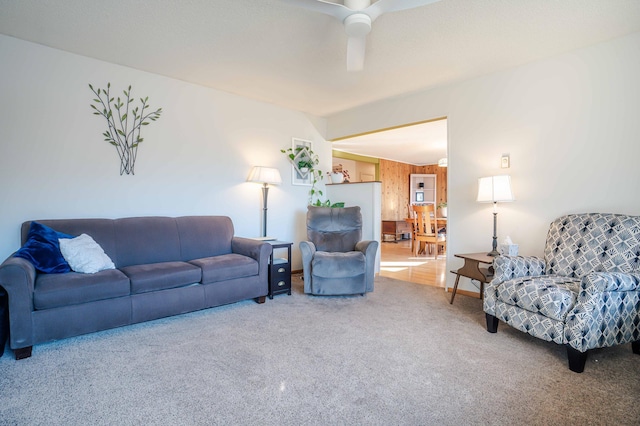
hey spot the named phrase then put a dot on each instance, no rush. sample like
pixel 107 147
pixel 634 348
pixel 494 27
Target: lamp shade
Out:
pixel 495 189
pixel 267 175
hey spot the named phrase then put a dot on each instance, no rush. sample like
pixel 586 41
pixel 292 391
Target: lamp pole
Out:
pixel 265 193
pixel 494 246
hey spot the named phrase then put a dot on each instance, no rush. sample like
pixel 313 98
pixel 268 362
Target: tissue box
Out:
pixel 509 249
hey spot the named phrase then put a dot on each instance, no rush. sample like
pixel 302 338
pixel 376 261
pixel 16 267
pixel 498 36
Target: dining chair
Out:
pixel 425 230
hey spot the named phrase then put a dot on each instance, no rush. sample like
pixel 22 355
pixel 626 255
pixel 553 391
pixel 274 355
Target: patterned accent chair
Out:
pixel 584 294
pixel 335 261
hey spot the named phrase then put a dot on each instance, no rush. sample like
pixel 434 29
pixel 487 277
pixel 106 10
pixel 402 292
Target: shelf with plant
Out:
pixel 443 208
pixel 305 162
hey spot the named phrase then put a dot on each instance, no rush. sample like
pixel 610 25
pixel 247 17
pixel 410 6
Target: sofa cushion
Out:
pixel 552 296
pixel 226 266
pixel 204 236
pixel 146 240
pixel 42 249
pixel 101 230
pixel 160 276
pixel 334 230
pixel 56 290
pixel 338 265
pixel 85 255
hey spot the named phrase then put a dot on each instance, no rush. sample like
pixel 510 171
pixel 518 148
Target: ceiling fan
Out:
pixel 357 17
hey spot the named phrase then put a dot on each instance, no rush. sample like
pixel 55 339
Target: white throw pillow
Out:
pixel 84 255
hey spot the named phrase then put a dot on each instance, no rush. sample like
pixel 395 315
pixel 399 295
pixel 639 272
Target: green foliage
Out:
pixel 305 163
pixel 310 160
pixel 327 203
pixel 124 125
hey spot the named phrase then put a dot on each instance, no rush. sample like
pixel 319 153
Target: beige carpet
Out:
pixel 401 355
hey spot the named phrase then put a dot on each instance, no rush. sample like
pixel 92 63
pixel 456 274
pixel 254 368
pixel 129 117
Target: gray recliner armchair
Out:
pixel 334 260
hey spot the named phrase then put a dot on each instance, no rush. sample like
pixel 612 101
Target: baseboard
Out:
pixel 465 292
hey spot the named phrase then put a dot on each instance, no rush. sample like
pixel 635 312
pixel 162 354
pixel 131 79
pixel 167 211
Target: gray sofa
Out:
pixel 164 266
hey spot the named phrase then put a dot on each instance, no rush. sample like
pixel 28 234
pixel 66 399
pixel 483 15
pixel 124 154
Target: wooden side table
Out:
pixel 472 269
pixel 279 269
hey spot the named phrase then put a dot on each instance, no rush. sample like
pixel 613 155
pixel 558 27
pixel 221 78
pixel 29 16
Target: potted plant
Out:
pixel 304 160
pixel 346 177
pixel 443 209
pixel 336 177
pixel 305 165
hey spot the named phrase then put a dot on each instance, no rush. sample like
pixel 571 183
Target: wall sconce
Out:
pixel 495 189
pixel 265 176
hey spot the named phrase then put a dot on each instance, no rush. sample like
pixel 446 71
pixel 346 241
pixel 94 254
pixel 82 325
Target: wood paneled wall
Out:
pixel 395 186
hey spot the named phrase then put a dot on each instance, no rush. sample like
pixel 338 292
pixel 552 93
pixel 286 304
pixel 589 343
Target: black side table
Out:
pixel 279 269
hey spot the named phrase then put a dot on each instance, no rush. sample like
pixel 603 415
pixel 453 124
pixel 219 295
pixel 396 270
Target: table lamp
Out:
pixel 495 189
pixel 265 176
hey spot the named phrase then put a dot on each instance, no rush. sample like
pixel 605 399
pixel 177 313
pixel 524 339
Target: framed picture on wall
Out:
pixel 300 173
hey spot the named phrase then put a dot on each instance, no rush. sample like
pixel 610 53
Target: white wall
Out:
pixel 195 158
pixel 570 123
pixel 367 195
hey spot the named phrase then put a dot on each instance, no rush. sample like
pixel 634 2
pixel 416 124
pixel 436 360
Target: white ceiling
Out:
pixel 272 51
pixel 419 144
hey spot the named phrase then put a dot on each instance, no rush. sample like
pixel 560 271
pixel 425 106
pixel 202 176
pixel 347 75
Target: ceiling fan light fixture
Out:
pixel 357 4
pixel 357 25
pixel 356 17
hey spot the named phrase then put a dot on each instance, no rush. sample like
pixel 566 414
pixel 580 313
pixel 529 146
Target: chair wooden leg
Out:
pixel 577 359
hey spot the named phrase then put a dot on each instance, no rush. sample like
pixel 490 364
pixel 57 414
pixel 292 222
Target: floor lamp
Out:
pixel 495 189
pixel 266 176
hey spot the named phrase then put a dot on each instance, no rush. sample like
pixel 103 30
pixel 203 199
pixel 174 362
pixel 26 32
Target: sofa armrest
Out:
pixel 255 249
pixel 18 277
pixel 370 249
pixel 308 250
pixel 510 267
pixel 597 282
pixel 606 311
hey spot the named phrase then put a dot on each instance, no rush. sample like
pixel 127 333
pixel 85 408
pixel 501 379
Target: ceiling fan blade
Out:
pixel 356 46
pixel 386 6
pixel 332 9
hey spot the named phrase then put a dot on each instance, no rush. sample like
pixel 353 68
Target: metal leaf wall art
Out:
pixel 124 121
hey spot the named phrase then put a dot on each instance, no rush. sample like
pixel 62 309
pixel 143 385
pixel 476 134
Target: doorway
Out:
pixel 397 154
